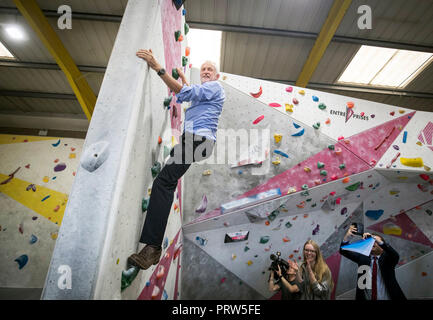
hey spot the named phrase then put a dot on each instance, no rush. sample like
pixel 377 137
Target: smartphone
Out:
pixel 359 228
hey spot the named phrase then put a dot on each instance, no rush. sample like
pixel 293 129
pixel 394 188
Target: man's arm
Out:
pixel 291 288
pixel 172 83
pixel 354 256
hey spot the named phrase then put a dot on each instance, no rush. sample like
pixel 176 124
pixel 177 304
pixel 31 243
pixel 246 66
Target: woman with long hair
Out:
pixel 314 274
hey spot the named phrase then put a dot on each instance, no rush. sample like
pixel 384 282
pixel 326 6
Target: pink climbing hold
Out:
pixel 338 201
pixel 424 177
pixel 274 105
pixel 258 119
pixel 161 272
pixel 333 193
pixel 289 89
pixel 340 138
pixel 155 292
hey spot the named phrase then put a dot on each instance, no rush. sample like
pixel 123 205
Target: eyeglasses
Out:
pixel 310 251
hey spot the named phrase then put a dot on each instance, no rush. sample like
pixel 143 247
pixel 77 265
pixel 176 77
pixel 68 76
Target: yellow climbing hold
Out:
pixel 306 169
pixel 249 262
pixel 426 168
pixel 276 161
pixel 54 235
pixel 46 179
pixel 207 172
pixel 72 156
pixel 289 107
pixel 412 162
pixel 392 229
pixel 302 92
pixel 291 190
pixel 401 111
pixel 277 137
pixel 419 143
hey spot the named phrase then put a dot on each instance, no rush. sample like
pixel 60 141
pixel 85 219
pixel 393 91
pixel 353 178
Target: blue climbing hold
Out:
pixel 22 261
pixel 374 214
pixel 281 153
pixel 315 99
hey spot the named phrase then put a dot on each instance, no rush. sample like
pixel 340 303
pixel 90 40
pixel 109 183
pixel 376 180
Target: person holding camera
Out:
pixel 314 276
pixel 287 283
pixel 381 261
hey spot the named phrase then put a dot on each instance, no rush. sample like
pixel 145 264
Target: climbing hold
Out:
pixel 203 205
pixel 159 140
pixel 334 177
pixel 207 172
pixel 184 61
pixel 320 165
pixel 186 28
pixel 343 211
pixel 45 198
pixel 258 94
pixel 342 166
pixel 54 235
pixel 249 262
pixel 60 167
pixel 390 228
pixel 316 125
pixel 315 99
pixel 291 190
pixel 201 241
pixel 305 187
pixel 56 144
pixel 307 169
pixel 411 162
pixel 276 161
pixel 401 111
pixel 427 168
pixel 338 151
pixel 301 92
pixel 277 137
pixel 274 105
pixel 392 113
pixel 156 169
pixel 316 230
pixel 305 193
pixel 289 107
pixel 424 177
pixel 174 73
pixel 144 204
pixel 299 133
pixel 404 137
pixel 264 239
pixel 323 172
pixel 281 153
pixel 322 106
pixel 346 180
pixel 295 101
pixel 422 187
pixel 161 272
pixel 31 187
pixel 289 89
pixel 258 119
pixel 340 138
pixel 354 186
pixel 288 224
pixel 33 239
pixel 331 147
pixel 155 292
pixel 374 214
pixel 328 121
pixel 338 200
pixel 177 35
pixel 22 261
pixel 350 104
pixel 187 51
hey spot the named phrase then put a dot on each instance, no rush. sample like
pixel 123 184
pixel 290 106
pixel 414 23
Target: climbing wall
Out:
pixel 36 174
pixel 135 121
pixel 321 162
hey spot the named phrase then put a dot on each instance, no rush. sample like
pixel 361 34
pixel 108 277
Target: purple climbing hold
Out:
pixel 343 211
pixel 316 230
pixel 396 147
pixel 203 205
pixel 60 167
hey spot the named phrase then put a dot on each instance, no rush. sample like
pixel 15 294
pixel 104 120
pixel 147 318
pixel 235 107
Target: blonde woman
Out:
pixel 314 274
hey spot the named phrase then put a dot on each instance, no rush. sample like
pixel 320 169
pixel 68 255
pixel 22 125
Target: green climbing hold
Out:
pixel 322 106
pixel 308 200
pixel 331 147
pixel 305 193
pixel 316 125
pixel 305 187
pixel 177 34
pixel 128 276
pixel 320 165
pixel 167 101
pixel 184 61
pixel 429 212
pixel 288 224
pixel 342 166
pixel 246 249
pixel 186 28
pixel 144 204
pixel 156 169
pixel 354 186
pixel 323 173
pixel 313 205
pixel 264 239
pixel 174 73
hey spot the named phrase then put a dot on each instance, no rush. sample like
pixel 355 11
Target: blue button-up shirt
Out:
pixel 207 101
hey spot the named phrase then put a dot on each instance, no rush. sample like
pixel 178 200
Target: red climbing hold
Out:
pixel 258 94
pixel 258 119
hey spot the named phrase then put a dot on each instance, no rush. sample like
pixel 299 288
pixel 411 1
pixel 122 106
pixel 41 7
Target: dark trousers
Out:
pixel 190 149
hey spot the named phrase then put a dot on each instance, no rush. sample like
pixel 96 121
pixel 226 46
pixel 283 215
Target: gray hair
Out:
pixel 211 63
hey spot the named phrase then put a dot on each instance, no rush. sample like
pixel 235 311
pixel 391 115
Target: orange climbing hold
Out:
pixel 350 104
pixel 187 51
pixel 346 180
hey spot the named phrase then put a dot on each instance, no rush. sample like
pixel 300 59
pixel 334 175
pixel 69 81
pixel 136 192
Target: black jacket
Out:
pixel 387 262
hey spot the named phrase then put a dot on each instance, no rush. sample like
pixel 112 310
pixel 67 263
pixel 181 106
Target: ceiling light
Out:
pixel 15 32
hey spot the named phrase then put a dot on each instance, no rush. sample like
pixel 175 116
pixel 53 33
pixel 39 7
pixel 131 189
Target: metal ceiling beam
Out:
pixel 34 16
pixel 75 15
pixel 333 20
pixel 40 95
pixel 308 35
pixel 47 66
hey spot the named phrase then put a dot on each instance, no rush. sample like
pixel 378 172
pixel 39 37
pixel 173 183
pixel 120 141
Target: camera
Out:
pixel 277 261
pixel 359 228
